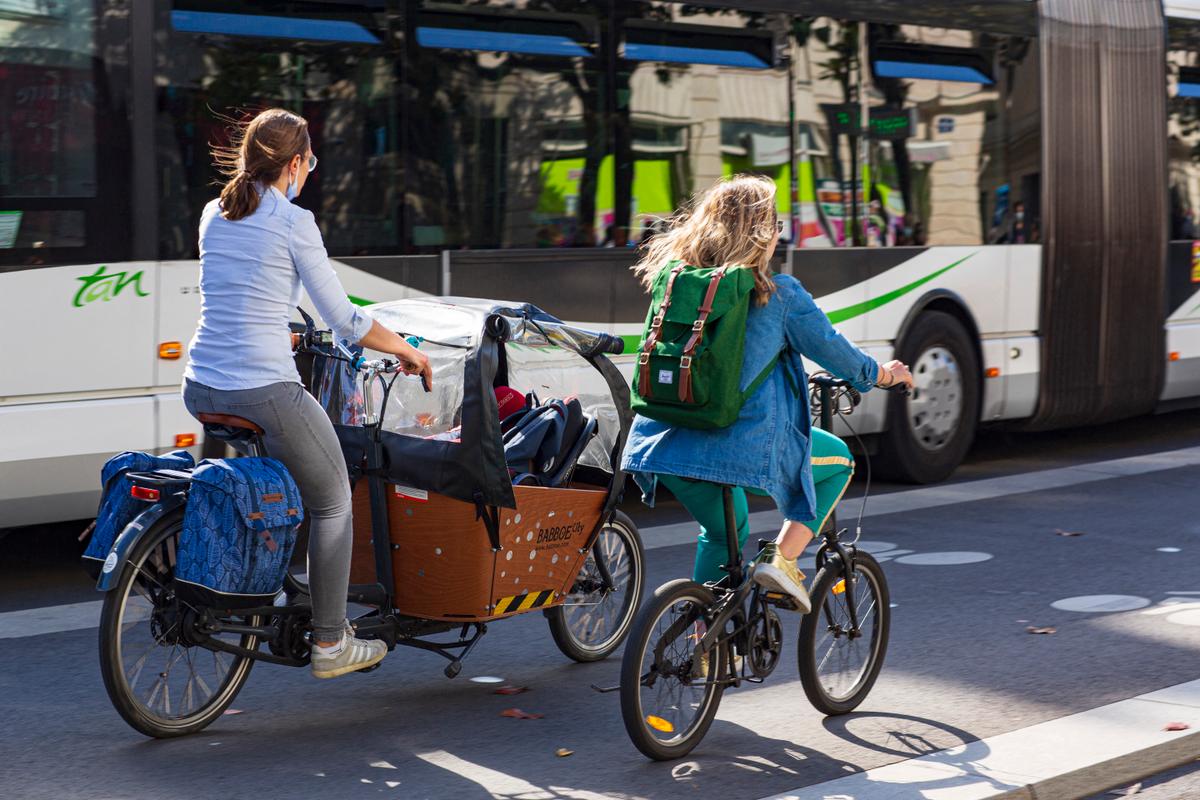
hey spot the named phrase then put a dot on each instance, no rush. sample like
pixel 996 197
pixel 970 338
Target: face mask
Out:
pixel 292 191
pixel 1020 216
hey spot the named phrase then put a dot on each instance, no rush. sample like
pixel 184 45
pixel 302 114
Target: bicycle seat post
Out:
pixel 734 567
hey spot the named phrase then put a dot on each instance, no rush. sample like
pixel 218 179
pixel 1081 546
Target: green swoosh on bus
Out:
pixel 858 309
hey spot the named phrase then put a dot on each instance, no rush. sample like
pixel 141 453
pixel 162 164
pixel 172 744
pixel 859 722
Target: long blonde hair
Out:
pixel 731 224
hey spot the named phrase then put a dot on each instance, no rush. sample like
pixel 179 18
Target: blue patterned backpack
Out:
pixel 117 507
pixel 239 531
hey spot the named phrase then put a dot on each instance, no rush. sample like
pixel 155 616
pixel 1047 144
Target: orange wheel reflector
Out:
pixel 170 350
pixel 185 439
pixel 659 724
pixel 1173 356
pixel 840 587
pixel 992 372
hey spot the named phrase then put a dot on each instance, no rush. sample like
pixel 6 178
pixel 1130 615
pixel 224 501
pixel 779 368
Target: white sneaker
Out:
pixel 348 655
pixel 775 573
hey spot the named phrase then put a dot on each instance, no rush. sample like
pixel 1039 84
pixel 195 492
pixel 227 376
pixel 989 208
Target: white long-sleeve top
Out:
pixel 251 271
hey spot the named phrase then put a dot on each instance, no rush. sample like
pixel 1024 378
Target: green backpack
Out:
pixel 690 357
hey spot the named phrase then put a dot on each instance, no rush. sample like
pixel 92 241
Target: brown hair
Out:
pixel 733 224
pixel 258 152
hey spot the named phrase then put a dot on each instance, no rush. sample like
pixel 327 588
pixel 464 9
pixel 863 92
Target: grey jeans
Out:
pixel 298 433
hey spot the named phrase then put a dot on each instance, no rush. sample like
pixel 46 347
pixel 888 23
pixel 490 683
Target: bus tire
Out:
pixel 929 432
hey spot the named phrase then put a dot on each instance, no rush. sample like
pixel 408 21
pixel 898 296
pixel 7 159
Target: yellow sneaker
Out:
pixel 775 573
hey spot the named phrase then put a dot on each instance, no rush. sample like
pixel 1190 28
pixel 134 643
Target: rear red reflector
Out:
pixel 144 493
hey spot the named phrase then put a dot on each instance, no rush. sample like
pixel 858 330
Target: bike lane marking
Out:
pixel 80 616
pixel 1071 756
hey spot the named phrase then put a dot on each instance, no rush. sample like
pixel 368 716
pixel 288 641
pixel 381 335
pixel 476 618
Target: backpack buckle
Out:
pixel 643 358
pixel 685 362
pixel 656 322
pixel 698 325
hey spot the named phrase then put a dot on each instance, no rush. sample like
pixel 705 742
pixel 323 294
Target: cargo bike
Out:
pixel 455 525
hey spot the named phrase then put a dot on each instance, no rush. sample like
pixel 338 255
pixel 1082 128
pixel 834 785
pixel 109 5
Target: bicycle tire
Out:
pixel 818 621
pixel 116 681
pixel 565 627
pixel 632 711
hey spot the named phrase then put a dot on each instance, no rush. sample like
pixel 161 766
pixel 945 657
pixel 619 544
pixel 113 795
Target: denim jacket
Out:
pixel 767 447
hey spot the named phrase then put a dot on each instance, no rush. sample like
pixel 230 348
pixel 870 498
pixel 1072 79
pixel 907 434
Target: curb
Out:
pixel 1062 759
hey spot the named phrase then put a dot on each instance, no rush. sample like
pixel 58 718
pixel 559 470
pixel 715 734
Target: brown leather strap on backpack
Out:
pixel 685 363
pixel 653 336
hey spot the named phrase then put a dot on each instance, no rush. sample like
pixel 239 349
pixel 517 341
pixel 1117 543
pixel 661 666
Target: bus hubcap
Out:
pixel 935 406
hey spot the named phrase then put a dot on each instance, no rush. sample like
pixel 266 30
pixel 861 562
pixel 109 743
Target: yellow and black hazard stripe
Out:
pixel 524 602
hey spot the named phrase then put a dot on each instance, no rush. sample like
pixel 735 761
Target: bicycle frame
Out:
pixel 732 603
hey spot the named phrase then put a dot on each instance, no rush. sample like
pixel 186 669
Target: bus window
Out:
pixel 700 96
pixel 507 134
pixel 332 64
pixel 60 202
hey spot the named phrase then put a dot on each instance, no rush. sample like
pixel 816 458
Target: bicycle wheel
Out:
pixel 592 622
pixel 666 709
pixel 838 668
pixel 159 680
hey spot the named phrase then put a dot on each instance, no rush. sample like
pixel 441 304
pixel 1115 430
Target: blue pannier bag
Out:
pixel 117 506
pixel 239 531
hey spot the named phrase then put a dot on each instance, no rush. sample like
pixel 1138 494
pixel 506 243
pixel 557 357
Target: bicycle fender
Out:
pixel 130 536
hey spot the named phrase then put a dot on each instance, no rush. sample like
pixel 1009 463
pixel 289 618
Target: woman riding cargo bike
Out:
pixel 473 502
pixel 720 393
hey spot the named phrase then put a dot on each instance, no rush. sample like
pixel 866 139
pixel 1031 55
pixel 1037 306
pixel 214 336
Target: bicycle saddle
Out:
pixel 229 427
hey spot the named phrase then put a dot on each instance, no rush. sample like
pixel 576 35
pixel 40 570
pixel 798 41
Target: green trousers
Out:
pixel 832 468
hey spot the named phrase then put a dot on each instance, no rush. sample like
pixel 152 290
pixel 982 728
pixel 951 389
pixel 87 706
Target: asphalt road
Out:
pixel 961 665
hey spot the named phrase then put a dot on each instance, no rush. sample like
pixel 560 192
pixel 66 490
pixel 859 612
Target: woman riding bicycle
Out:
pixel 256 251
pixel 772 447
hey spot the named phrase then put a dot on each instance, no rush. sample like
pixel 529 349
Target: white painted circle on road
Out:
pixel 1090 603
pixel 1168 550
pixel 947 558
pixel 876 547
pixel 1189 617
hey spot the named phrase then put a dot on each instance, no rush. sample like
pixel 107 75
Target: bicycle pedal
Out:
pixel 781 600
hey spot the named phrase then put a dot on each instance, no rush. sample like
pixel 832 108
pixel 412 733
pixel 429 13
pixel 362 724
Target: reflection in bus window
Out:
pixel 56 96
pixel 330 64
pixel 508 141
pixel 705 100
pixel 1183 128
pixel 951 149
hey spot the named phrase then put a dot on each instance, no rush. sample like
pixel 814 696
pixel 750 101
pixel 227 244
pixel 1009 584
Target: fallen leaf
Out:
pixel 517 713
pixel 1046 629
pixel 1176 726
pixel 511 690
pixel 1128 790
pixel 231 711
pixel 563 752
pixel 1061 532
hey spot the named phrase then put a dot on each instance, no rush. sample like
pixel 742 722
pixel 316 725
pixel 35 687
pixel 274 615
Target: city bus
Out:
pixel 1003 195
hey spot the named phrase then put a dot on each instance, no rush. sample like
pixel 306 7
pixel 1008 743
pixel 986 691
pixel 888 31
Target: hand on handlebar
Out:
pixel 893 374
pixel 414 362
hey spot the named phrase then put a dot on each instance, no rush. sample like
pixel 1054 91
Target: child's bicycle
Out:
pixel 692 640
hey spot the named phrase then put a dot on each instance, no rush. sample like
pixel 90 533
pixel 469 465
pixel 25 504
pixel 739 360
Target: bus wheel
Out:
pixel 928 433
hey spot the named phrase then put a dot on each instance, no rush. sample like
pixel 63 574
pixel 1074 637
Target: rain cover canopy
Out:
pixel 448 441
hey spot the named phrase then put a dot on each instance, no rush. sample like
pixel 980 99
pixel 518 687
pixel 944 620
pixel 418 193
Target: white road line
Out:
pixel 77 616
pixel 1071 756
pixel 50 619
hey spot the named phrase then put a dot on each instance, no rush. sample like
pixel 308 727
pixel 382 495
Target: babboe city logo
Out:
pixel 102 285
pixel 558 534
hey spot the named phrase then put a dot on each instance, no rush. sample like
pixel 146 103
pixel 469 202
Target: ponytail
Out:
pixel 258 152
pixel 239 197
